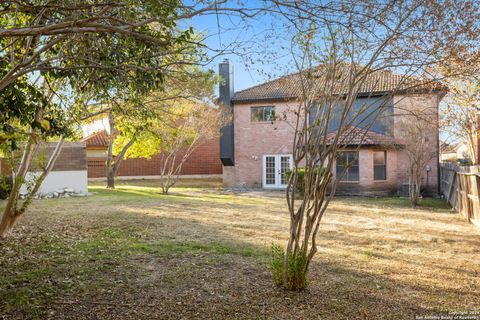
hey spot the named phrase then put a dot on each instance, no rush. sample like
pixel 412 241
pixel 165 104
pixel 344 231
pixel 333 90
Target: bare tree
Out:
pixel 460 117
pixel 420 145
pixel 177 143
pixel 341 57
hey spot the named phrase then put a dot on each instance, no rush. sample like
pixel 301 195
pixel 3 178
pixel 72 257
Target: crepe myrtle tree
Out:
pixel 336 57
pixel 179 116
pixel 132 120
pixel 38 119
pixel 175 134
pixel 415 131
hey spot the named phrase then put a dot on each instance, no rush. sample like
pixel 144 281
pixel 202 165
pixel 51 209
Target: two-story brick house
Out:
pixel 256 147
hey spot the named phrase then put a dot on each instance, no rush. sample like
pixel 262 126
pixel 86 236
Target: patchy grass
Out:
pixel 134 253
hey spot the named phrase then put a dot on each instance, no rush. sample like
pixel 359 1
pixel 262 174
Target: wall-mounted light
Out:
pixel 255 158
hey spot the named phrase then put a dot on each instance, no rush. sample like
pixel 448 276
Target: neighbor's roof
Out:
pixel 289 87
pixel 354 136
pixel 448 148
pixel 97 139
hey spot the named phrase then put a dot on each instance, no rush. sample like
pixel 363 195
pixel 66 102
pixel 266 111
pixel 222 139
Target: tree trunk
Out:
pixel 112 165
pixel 8 220
pixel 10 212
pixel 109 161
pixel 110 178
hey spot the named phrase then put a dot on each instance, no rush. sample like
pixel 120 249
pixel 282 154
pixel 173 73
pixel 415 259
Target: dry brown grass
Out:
pixel 203 253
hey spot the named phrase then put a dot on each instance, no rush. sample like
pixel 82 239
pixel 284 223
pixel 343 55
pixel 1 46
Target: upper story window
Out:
pixel 347 165
pixel 259 114
pixel 376 113
pixel 380 165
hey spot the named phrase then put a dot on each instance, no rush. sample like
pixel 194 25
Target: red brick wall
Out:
pixel 205 159
pixel 255 139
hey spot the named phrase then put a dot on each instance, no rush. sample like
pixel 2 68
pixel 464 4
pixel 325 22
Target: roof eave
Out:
pixel 441 92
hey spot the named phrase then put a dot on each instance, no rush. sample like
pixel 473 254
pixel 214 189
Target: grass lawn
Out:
pixel 201 253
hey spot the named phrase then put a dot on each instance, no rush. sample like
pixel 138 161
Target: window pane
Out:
pixel 262 114
pixel 353 158
pixel 353 173
pixel 348 160
pixel 380 172
pixel 342 159
pixel 379 158
pixel 269 114
pixel 339 172
pixel 256 114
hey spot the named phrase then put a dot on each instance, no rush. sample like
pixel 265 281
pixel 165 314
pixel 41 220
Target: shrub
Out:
pixel 296 273
pixel 5 186
pixel 276 264
pixel 300 186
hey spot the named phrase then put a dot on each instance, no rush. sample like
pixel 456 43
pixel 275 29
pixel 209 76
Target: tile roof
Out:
pixel 97 139
pixel 354 136
pixel 289 87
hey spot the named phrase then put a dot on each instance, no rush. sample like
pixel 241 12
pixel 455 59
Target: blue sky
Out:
pixel 259 57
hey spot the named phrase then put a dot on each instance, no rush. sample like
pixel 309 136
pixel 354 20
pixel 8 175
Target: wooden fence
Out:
pixel 460 185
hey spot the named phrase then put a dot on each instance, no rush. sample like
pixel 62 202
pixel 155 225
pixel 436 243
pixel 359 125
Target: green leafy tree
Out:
pixel 74 35
pixel 175 135
pixel 36 118
pixel 131 121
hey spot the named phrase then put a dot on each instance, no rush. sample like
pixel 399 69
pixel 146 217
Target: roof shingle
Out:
pixel 97 139
pixel 289 87
pixel 354 136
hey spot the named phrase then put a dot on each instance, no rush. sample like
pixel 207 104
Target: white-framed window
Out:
pixel 347 167
pixel 262 114
pixel 380 165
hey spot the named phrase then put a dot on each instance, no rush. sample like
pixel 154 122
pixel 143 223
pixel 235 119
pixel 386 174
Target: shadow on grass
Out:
pixel 425 203
pixel 131 194
pixel 137 266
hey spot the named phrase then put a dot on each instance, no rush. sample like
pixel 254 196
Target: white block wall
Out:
pixel 55 180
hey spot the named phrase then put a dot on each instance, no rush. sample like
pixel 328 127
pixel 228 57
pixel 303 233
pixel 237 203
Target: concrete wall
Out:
pixel 76 180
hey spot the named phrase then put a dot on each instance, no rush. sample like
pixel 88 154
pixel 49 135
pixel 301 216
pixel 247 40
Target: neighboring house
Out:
pixel 457 152
pixel 256 148
pixel 204 160
pixel 69 171
pixel 448 152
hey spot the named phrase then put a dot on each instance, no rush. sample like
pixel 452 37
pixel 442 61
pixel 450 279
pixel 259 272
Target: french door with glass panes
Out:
pixel 274 168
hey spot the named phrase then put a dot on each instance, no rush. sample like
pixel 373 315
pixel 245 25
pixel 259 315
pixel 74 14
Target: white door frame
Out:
pixel 278 180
